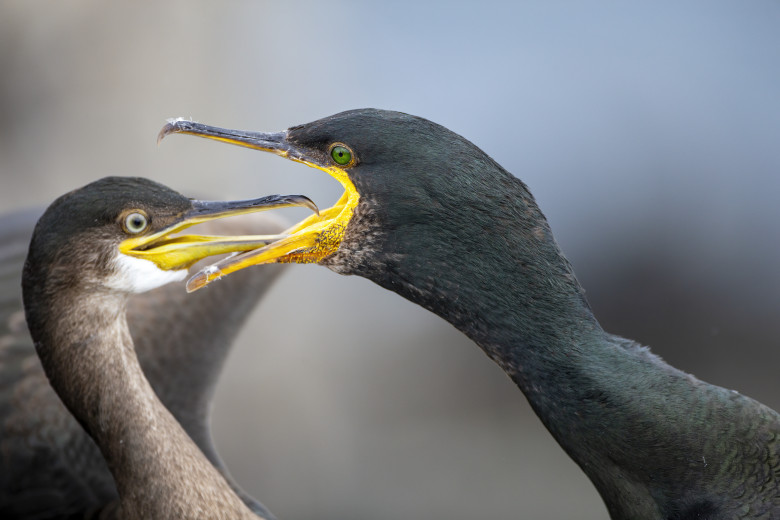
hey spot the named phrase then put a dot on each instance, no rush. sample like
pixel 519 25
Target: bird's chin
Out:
pixel 136 275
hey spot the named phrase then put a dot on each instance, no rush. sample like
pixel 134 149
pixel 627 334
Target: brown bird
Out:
pixel 77 280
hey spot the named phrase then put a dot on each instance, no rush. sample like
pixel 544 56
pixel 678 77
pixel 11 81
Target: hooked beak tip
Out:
pixel 172 126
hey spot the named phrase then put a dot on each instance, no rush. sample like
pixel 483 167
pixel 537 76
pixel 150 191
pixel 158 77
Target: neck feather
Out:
pixel 494 271
pixel 87 352
pixel 485 261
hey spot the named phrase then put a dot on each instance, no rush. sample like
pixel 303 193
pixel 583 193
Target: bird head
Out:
pixel 120 234
pixel 412 189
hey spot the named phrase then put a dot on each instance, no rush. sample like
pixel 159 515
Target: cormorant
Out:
pixel 181 341
pixel 430 216
pixel 91 249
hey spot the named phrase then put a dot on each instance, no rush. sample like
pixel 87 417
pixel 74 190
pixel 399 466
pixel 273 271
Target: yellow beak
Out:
pixel 170 252
pixel 311 240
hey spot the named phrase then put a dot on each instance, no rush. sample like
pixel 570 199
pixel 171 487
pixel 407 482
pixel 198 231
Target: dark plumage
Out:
pixel 50 467
pixel 442 224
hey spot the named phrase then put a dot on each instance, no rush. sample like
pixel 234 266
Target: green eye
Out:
pixel 135 223
pixel 341 154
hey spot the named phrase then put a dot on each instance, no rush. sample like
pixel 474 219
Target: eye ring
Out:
pixel 342 155
pixel 135 222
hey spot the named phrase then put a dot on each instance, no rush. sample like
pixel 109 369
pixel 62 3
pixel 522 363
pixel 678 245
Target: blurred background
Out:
pixel 649 134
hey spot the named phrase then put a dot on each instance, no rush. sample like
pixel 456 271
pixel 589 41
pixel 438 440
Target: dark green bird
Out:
pixel 91 250
pixel 430 216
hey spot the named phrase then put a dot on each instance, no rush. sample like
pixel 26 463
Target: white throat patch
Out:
pixel 136 275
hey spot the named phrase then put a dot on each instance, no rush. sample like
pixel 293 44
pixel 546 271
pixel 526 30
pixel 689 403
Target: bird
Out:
pixel 427 214
pixel 181 341
pixel 92 249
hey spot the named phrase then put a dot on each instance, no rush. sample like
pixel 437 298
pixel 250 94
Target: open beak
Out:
pixel 171 252
pixel 312 239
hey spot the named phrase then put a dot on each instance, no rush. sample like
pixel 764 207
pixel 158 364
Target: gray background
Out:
pixel 648 133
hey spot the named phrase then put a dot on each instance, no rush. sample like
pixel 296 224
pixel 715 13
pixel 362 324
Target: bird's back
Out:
pixel 49 467
pixel 669 446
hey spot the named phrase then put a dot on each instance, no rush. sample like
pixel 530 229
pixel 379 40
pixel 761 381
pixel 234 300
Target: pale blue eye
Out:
pixel 136 223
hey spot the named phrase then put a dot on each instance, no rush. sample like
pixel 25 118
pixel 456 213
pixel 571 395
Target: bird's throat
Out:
pixel 108 393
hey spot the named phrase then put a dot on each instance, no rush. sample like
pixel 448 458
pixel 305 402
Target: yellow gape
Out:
pixel 309 241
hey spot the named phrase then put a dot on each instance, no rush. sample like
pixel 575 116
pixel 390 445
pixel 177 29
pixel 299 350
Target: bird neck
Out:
pixel 198 349
pixel 485 261
pixel 494 271
pixel 87 352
